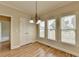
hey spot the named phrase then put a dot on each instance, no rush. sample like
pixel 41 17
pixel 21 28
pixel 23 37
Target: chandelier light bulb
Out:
pixel 31 21
pixel 38 22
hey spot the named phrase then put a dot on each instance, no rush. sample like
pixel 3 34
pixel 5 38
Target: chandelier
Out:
pixel 35 19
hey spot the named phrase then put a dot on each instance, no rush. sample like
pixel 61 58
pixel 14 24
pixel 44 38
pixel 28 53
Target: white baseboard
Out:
pixel 71 52
pixel 14 47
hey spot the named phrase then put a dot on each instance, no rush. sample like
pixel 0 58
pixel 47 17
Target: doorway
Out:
pixel 5 31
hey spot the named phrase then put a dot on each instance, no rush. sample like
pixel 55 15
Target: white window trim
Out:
pixel 54 29
pixel 69 29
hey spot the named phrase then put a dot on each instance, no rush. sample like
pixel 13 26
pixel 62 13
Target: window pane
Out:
pixel 68 26
pixel 42 29
pixel 68 36
pixel 51 29
pixel 68 22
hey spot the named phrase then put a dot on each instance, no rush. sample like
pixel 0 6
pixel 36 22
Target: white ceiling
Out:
pixel 29 6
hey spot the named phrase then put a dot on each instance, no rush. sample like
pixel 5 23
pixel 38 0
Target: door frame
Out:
pixel 10 28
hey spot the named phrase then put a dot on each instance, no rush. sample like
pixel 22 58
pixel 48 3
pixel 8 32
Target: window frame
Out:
pixel 54 29
pixel 39 30
pixel 75 30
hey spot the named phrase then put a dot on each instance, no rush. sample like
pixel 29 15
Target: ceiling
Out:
pixel 28 7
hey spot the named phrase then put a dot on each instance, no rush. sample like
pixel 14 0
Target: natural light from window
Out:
pixel 42 29
pixel 51 29
pixel 68 28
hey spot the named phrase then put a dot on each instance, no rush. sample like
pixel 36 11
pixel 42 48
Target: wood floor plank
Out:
pixel 33 50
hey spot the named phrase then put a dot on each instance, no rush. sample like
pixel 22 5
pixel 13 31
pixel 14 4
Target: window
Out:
pixel 51 29
pixel 68 28
pixel 42 29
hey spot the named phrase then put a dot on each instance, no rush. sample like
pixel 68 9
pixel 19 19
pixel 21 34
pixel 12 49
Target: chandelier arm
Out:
pixel 36 19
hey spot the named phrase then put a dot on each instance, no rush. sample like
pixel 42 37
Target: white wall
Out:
pixel 15 23
pixel 27 31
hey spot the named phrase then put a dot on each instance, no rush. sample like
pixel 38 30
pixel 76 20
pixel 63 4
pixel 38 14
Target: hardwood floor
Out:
pixel 5 45
pixel 33 50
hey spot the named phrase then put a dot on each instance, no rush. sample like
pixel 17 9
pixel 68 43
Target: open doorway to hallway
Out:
pixel 5 30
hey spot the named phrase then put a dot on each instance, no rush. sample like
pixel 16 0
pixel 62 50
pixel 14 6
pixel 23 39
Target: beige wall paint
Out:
pixel 57 13
pixel 15 23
